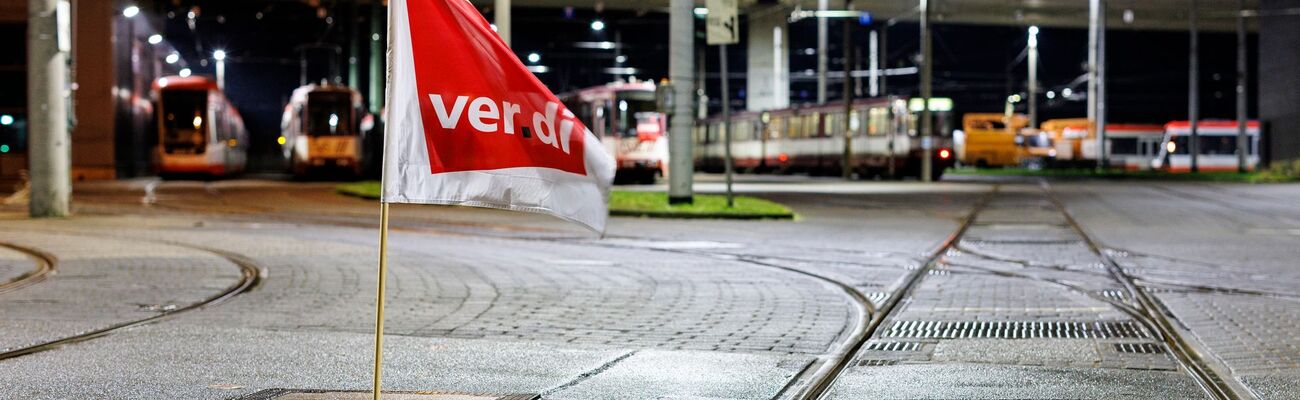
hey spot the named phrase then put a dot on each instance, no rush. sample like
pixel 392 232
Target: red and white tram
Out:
pixel 885 139
pixel 1217 142
pixel 321 128
pixel 626 119
pixel 200 131
pixel 1130 146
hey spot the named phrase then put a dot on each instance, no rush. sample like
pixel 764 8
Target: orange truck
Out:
pixel 991 139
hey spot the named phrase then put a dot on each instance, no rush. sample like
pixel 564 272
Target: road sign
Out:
pixel 722 22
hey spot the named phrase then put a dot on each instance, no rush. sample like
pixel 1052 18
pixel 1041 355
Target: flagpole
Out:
pixel 379 297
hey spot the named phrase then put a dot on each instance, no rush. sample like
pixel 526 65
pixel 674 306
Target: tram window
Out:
pixel 1218 145
pixel 184 123
pixel 879 121
pixel 774 128
pixel 1124 146
pixel 629 103
pixel 329 114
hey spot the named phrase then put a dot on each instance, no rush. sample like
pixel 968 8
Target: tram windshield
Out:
pixel 184 121
pixel 329 114
pixel 627 106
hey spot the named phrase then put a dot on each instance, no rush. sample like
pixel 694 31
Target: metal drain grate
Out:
pixel 876 363
pixel 938 272
pixel 877 297
pixel 1139 348
pixel 1116 295
pixel 893 346
pixel 1014 330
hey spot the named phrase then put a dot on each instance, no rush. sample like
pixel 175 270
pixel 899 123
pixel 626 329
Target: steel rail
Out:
pixel 250 276
pixel 1188 357
pixel 45 263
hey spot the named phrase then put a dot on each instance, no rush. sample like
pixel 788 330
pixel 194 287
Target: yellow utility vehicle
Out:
pixel 990 139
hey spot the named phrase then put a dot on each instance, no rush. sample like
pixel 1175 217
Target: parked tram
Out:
pixel 885 139
pixel 200 131
pixel 321 130
pixel 1217 142
pixel 630 127
pixel 1130 146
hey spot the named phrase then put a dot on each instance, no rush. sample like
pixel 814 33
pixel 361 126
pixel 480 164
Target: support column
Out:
pixel 884 59
pixel 501 18
pixel 1243 141
pixel 846 160
pixel 768 79
pixel 378 52
pixel 873 64
pixel 49 148
pixel 681 63
pixel 927 72
pixel 1279 90
pixel 354 48
pixel 1193 89
pixel 1097 76
pixel 1033 77
pixel 822 33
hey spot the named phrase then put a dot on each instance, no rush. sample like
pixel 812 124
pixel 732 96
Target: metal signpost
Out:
pixel 723 29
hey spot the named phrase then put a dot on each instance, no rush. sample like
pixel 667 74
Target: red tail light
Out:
pixel 944 154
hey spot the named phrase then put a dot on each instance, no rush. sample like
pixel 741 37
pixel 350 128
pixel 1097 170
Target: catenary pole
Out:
pixel 681 54
pixel 822 58
pixel 501 18
pixel 726 122
pixel 377 56
pixel 846 162
pixel 1193 89
pixel 927 71
pixel 49 152
pixel 1243 142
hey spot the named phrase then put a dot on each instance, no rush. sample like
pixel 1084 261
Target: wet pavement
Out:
pixel 876 291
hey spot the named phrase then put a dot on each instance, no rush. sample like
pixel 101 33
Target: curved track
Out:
pixel 45 263
pixel 250 276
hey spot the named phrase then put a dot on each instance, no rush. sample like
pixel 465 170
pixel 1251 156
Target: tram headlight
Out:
pixel 281 140
pixel 198 121
pixel 1171 147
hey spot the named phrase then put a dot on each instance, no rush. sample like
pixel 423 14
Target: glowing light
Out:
pixel 6 120
pixel 620 59
pixel 1171 146
pixel 281 140
pixel 155 38
pixel 1066 92
pixel 597 25
pixel 701 11
pixel 334 121
pixel 172 58
pixel 622 105
pixel 783 157
pixel 219 55
pixel 4 148
pixel 1051 94
pixel 185 72
pixel 1033 36
pixel 130 11
pixel 198 121
pixel 534 57
pixel 944 154
pixel 162 82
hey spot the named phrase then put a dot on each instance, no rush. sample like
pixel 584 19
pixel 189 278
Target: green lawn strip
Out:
pixel 647 204
pixel 1112 174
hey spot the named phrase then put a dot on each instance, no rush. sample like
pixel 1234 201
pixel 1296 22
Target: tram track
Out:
pixel 250 277
pixel 45 264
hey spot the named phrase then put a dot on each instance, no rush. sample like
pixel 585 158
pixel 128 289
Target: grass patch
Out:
pixel 647 204
pixel 1281 171
pixel 655 204
pixel 1249 177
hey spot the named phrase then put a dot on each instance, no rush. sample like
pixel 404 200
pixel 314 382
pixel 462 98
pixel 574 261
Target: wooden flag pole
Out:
pixel 379 297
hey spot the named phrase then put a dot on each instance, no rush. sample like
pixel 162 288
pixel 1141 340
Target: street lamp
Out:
pixel 220 56
pixel 172 58
pixel 155 39
pixel 130 11
pixel 534 57
pixel 597 25
pixel 185 73
pixel 1033 76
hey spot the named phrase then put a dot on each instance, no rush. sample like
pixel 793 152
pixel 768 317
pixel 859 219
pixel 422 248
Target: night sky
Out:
pixel 1148 69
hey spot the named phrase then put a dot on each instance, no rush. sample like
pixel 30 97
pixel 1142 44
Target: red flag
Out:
pixel 469 124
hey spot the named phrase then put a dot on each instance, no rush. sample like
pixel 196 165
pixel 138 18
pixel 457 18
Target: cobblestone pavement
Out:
pixel 489 301
pixel 1224 263
pixel 480 300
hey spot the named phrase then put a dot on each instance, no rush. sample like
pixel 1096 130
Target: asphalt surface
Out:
pixel 486 301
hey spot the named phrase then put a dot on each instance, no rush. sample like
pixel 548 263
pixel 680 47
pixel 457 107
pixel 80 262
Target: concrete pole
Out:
pixel 1243 142
pixel 884 59
pixel 1033 77
pixel 822 26
pixel 221 74
pixel 927 71
pixel 354 30
pixel 681 54
pixel 1102 153
pixel 378 55
pixel 1193 90
pixel 873 64
pixel 726 121
pixel 501 18
pixel 49 149
pixel 846 162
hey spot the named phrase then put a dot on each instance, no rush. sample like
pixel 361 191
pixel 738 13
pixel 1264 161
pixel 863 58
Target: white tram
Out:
pixel 200 132
pixel 885 139
pixel 1217 140
pixel 321 129
pixel 626 119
